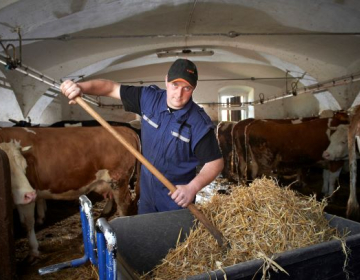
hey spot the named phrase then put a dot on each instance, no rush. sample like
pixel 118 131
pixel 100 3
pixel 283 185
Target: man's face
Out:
pixel 178 94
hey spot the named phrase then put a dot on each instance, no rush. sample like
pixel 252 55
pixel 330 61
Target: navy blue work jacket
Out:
pixel 169 138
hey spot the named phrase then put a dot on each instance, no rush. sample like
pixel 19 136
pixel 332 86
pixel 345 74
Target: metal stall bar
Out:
pixel 101 250
pixel 87 223
pixel 107 246
pixel 88 229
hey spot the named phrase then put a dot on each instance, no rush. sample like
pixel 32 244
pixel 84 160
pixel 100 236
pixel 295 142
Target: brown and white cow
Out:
pixel 241 147
pixel 271 145
pixel 343 143
pixel 22 192
pixel 338 147
pixel 64 163
pixel 223 133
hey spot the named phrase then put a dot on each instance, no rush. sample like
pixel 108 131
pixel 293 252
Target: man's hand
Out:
pixel 184 195
pixel 71 90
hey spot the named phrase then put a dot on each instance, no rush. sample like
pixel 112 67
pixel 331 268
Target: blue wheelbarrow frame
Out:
pixel 100 251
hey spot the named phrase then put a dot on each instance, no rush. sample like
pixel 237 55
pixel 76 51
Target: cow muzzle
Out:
pixel 29 197
pixel 326 155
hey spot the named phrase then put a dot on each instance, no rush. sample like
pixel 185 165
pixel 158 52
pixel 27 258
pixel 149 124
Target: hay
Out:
pixel 259 221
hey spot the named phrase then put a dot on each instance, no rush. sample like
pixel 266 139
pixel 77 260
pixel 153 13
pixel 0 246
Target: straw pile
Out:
pixel 258 221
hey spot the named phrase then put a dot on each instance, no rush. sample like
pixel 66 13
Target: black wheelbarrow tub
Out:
pixel 144 240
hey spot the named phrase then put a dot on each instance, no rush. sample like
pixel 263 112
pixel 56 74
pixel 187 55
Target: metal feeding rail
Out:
pixel 310 89
pixel 30 72
pixel 12 64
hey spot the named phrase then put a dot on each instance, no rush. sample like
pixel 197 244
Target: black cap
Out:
pixel 183 70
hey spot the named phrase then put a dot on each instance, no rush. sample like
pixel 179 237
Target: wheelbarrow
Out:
pixel 127 247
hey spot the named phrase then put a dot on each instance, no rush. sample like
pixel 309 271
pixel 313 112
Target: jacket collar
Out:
pixel 180 114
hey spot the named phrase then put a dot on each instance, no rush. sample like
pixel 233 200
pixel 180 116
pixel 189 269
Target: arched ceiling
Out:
pixel 120 40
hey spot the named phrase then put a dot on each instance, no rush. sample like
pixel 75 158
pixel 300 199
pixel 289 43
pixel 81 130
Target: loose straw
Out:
pixel 259 221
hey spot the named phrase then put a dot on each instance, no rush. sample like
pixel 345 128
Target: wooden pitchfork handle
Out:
pixel 196 212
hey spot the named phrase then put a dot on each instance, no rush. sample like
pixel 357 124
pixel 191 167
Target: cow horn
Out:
pixel 25 149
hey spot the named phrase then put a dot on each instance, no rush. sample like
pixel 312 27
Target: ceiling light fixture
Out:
pixel 184 53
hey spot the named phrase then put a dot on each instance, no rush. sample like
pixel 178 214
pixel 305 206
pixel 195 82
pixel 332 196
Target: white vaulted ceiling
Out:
pixel 316 40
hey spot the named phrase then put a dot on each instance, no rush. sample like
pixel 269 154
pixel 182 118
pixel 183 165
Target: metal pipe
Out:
pixel 89 228
pixel 107 234
pixel 27 71
pixel 101 250
pixel 310 89
pixel 313 88
pixel 217 80
pixel 230 34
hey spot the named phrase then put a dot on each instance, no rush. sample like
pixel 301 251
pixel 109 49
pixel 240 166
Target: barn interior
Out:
pixel 298 58
pixel 256 59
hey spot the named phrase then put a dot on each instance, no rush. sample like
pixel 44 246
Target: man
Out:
pixel 177 135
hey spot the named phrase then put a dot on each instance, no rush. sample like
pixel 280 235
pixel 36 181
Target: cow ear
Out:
pixel 25 149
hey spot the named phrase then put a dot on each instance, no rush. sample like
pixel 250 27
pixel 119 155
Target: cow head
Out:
pixel 338 148
pixel 21 189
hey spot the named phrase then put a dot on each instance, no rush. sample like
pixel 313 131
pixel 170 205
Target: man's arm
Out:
pixel 93 87
pixel 185 194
